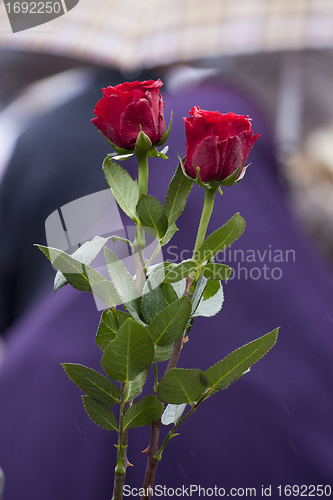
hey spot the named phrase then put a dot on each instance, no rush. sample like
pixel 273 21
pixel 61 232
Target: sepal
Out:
pixel 153 153
pixel 232 179
pixel 120 156
pixel 143 142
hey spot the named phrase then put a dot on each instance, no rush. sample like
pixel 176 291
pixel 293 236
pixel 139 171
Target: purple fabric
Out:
pixel 272 427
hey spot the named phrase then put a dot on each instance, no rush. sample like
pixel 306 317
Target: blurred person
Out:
pixel 272 428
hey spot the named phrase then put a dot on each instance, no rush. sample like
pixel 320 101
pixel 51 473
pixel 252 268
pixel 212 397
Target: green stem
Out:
pixel 139 242
pixel 205 216
pixel 142 158
pixel 152 462
pixel 120 470
pixel 139 260
pixel 155 254
pixel 177 347
pixel 153 451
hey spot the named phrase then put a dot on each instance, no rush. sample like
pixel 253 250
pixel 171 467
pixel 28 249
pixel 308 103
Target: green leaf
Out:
pixel 145 411
pixel 211 306
pixel 178 191
pixel 220 239
pixel 129 353
pixel 82 277
pixel 103 288
pixel 162 353
pixel 108 326
pixel 100 414
pixel 107 330
pixel 180 271
pixel 156 275
pixel 74 271
pixel 180 288
pixel 121 278
pixel 216 271
pixel 181 385
pixel 172 229
pixel 86 254
pixel 211 289
pixel 172 413
pixel 152 303
pixel 170 323
pixel 152 216
pixel 133 309
pixel 153 299
pixel 232 367
pixel 124 189
pixel 93 383
pixel 198 292
pixel 169 293
pixel 134 387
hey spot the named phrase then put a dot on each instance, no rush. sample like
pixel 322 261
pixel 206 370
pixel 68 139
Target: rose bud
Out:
pixel 217 146
pixel 127 107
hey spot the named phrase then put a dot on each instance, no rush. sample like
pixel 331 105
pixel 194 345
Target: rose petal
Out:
pixel 196 130
pixel 232 156
pixel 108 131
pixel 154 100
pixel 136 114
pixel 108 109
pixel 161 121
pixel 127 106
pixel 206 156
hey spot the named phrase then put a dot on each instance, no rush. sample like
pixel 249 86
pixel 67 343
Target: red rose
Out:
pixel 218 144
pixel 125 107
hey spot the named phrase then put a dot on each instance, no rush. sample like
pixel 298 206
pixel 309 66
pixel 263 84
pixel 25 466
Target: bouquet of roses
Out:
pixel 148 317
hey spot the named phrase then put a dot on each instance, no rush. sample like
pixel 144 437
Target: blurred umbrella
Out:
pixel 131 34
